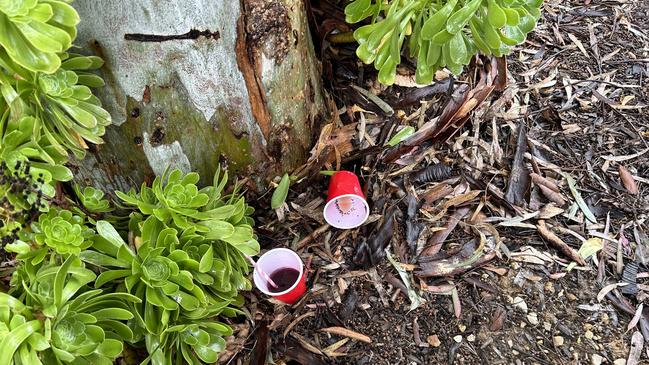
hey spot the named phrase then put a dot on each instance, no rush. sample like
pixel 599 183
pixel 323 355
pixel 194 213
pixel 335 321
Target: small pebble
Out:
pixel 510 343
pixel 588 335
pixel 433 340
pixel 596 359
pixel 549 287
pixel 619 362
pixel 520 304
pixel 571 297
pixel 470 338
pixel 557 341
pixel 462 327
pixel 533 318
pixel 547 326
pixel 457 338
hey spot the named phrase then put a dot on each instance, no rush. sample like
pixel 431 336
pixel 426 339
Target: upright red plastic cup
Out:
pixel 278 259
pixel 346 206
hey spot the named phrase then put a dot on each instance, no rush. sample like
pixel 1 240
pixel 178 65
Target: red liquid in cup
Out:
pixel 284 278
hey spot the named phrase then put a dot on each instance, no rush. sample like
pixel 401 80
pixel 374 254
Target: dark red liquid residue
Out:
pixel 284 278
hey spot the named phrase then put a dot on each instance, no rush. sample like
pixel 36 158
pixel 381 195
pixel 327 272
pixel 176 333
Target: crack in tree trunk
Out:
pixel 192 34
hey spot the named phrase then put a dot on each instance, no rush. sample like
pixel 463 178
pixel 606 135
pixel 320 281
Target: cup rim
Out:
pixel 259 278
pixel 332 200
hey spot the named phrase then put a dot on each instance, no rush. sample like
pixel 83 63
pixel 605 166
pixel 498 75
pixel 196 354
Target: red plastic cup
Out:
pixel 346 205
pixel 278 259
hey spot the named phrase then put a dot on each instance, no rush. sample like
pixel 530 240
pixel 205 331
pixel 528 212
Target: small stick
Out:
pixel 262 272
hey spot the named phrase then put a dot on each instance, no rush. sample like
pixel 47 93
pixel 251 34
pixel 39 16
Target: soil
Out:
pixel 580 109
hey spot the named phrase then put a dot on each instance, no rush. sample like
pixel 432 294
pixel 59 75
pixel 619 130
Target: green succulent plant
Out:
pixel 54 318
pixel 33 32
pixel 47 109
pixel 63 99
pixel 439 33
pixel 195 342
pixel 92 199
pixel 185 259
pixel 28 168
pixel 175 200
pixel 62 231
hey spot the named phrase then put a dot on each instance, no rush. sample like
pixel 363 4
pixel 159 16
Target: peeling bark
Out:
pixel 200 82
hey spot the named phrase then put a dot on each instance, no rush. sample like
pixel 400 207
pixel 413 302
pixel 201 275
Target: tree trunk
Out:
pixel 196 82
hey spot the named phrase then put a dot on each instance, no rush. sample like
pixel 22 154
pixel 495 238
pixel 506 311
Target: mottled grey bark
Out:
pixel 196 82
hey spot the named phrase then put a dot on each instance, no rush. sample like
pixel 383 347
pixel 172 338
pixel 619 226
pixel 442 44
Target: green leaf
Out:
pixel 59 172
pixel 101 260
pixel 357 10
pixel 495 14
pixel 110 348
pixel 110 276
pixel 22 52
pixel 216 229
pixel 112 313
pixel 119 328
pixel 206 261
pixel 436 22
pixel 280 193
pixel 15 338
pixel 401 136
pixel 108 232
pixel 513 18
pixel 59 281
pixel 210 353
pixel 460 18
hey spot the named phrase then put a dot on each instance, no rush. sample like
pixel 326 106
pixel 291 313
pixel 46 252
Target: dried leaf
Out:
pixel 306 344
pixel 297 320
pixel 578 43
pixel 552 195
pixel 498 319
pixel 627 180
pixel 531 255
pixel 625 157
pixel 550 210
pixel 440 289
pixel 519 175
pixel 558 243
pixel 369 252
pixel 468 258
pixel 590 247
pixel 637 342
pixel 331 349
pixel 636 317
pixel 438 238
pixel 342 331
pixel 580 201
pixel 437 192
pixel 415 299
pixel 385 107
pixel 457 305
pixel 605 290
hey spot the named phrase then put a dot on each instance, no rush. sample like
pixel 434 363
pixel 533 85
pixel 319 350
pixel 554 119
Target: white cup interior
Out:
pixel 273 260
pixel 352 215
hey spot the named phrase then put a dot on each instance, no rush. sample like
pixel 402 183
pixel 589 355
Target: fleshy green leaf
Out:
pixel 280 193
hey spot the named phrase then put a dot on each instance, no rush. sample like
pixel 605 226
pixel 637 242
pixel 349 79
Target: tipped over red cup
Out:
pixel 346 206
pixel 286 270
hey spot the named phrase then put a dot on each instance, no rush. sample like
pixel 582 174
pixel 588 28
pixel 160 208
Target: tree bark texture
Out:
pixel 195 83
